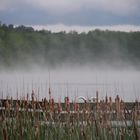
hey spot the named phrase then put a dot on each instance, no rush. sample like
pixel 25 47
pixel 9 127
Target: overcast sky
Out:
pixel 77 13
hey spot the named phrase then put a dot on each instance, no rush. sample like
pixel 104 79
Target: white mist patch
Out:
pixel 61 27
pixel 72 83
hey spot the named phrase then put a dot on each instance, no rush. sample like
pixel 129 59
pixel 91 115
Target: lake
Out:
pixel 71 82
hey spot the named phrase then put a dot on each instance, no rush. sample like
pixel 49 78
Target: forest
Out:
pixel 22 46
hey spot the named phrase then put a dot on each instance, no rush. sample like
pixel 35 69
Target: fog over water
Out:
pixel 72 64
pixel 72 82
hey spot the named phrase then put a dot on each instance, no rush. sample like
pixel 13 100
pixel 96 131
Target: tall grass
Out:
pixel 48 120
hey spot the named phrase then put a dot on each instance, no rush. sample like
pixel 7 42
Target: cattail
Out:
pixel 110 103
pixel 50 93
pixel 67 104
pixel 51 104
pixel 97 95
pixel 105 120
pixel 45 103
pixel 106 99
pixel 59 108
pixel 117 101
pixel 32 95
pixel 33 99
pixel 76 106
pixel 6 104
pixel 27 97
pixel 97 100
pixel 85 109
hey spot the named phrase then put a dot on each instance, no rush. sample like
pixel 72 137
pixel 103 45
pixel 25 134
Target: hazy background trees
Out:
pixel 23 46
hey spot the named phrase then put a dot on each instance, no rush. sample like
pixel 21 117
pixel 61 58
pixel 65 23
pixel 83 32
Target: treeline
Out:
pixel 24 46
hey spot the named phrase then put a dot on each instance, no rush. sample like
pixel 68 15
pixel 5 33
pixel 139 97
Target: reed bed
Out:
pixel 49 120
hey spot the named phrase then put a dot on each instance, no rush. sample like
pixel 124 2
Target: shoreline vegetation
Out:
pixel 49 120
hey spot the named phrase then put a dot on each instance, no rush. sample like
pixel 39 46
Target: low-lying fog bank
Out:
pixel 72 82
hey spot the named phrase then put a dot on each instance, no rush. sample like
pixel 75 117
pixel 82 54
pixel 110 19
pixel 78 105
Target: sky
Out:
pixel 70 14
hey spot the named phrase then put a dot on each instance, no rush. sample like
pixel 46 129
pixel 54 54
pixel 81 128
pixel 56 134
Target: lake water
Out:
pixel 72 83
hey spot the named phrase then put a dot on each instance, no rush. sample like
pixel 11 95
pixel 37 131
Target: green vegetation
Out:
pixel 47 120
pixel 20 46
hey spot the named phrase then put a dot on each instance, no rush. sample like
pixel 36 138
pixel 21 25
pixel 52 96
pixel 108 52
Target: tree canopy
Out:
pixel 23 46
